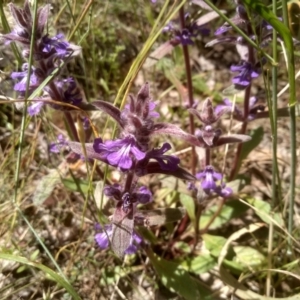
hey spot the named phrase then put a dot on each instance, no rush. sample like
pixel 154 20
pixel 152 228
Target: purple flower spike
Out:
pixel 247 72
pixel 208 179
pixel 120 153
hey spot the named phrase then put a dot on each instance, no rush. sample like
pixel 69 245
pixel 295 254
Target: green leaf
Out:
pixel 189 205
pixel 248 257
pixel 214 243
pixel 53 275
pixel 200 264
pixel 263 211
pixel 178 280
pixel 73 186
pixel 230 210
pixel 256 137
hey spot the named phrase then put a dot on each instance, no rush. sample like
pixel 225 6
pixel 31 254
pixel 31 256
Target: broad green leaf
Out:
pixel 214 243
pixel 239 289
pixel 178 280
pixel 189 205
pixel 201 264
pixel 52 275
pixel 73 186
pixel 249 257
pixel 230 210
pixel 263 211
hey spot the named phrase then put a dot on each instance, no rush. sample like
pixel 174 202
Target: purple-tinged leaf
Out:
pixel 110 109
pixel 90 152
pixel 159 216
pixel 42 17
pixel 19 16
pixel 155 168
pixel 122 229
pixel 165 128
pixel 233 138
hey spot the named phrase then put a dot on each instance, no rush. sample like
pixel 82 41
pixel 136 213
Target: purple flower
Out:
pixel 56 147
pixel 22 78
pixel 65 91
pixel 103 238
pixel 208 179
pixel 246 73
pixel 185 35
pixel 68 91
pixel 122 153
pixel 57 46
pixel 166 162
pixel 35 108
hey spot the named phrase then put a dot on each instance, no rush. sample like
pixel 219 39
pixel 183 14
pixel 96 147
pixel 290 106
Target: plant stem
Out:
pixel 189 87
pixel 293 136
pixel 247 94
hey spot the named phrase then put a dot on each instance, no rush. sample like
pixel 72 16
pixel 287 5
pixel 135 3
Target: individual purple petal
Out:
pixel 34 109
pixel 247 72
pixel 167 162
pixel 121 152
pixel 152 112
pixel 224 191
pixel 143 195
pixel 103 238
pixel 208 179
pixel 57 146
pixel 23 77
pixel 114 191
pixel 136 240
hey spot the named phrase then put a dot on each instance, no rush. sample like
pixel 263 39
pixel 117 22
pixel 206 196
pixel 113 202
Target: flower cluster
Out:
pixel 249 67
pixel 132 154
pixel 209 136
pixel 212 137
pixel 120 234
pixel 186 35
pixel 49 54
